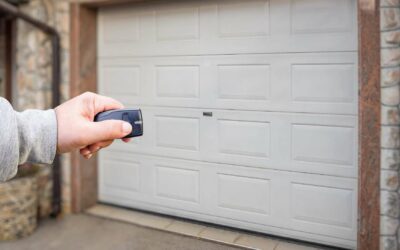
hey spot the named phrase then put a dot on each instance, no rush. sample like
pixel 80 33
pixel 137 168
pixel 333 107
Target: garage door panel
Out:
pixel 177 23
pixel 330 210
pixel 121 26
pixel 244 82
pixel 178 81
pixel 324 205
pixel 247 138
pixel 318 144
pixel 126 172
pixel 167 182
pixel 333 209
pixel 325 144
pixel 168 132
pixel 332 83
pixel 323 16
pixel 129 173
pixel 321 82
pixel 177 184
pixel 254 193
pixel 251 13
pixel 215 27
pixel 121 80
pixel 177 132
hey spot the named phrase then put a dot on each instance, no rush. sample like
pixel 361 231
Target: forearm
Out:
pixel 29 136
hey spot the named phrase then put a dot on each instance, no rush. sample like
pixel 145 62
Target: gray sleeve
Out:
pixel 29 136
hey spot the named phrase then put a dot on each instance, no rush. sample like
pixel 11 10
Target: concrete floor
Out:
pixel 88 232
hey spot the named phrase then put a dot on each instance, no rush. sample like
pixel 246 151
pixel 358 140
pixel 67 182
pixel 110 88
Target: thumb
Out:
pixel 108 130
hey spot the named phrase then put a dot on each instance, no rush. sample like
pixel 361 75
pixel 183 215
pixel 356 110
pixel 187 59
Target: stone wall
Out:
pixel 390 131
pixel 33 67
pixel 18 203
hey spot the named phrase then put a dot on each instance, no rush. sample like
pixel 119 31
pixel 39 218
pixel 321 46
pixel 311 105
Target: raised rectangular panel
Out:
pixel 177 183
pixel 244 82
pixel 322 205
pixel 247 138
pixel 244 193
pixel 177 24
pixel 326 144
pixel 120 27
pixel 127 174
pixel 177 81
pixel 177 132
pixel 243 18
pixel 321 16
pixel 323 83
pixel 121 80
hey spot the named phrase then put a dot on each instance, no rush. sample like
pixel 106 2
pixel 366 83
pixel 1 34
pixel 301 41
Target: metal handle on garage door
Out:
pixel 207 114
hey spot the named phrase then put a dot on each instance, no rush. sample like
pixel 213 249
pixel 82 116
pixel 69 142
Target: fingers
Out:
pixel 97 146
pixel 103 103
pixel 105 131
pixel 93 103
pixel 88 151
pixel 85 152
pixel 126 140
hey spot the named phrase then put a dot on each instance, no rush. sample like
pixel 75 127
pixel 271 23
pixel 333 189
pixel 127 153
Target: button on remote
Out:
pixel 133 116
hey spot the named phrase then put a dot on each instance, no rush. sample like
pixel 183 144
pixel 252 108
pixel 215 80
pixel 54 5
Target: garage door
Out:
pixel 250 113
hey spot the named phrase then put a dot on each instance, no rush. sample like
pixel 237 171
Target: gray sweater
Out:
pixel 29 136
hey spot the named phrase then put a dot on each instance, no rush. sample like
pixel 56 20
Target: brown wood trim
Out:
pixel 83 75
pixel 369 109
pixel 369 125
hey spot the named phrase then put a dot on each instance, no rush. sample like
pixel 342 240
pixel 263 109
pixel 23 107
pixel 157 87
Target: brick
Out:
pixel 390 115
pixel 389 226
pixel 391 38
pixel 388 3
pixel 388 243
pixel 390 204
pixel 390 159
pixel 390 137
pixel 390 18
pixel 390 57
pixel 390 95
pixel 390 76
pixel 389 180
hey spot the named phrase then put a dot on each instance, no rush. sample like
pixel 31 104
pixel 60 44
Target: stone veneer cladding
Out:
pixel 390 120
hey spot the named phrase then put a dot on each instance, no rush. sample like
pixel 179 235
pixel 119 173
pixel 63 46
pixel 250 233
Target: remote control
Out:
pixel 133 116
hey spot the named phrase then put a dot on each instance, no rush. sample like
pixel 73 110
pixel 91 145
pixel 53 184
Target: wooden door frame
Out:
pixel 9 56
pixel 83 63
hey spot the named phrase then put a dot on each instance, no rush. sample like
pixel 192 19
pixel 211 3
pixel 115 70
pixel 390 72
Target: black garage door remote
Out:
pixel 133 116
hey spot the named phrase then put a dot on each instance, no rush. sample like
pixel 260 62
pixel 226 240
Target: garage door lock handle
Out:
pixel 207 114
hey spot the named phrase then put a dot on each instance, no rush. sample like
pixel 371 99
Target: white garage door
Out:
pixel 250 113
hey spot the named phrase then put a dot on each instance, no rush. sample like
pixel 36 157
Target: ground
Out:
pixel 90 232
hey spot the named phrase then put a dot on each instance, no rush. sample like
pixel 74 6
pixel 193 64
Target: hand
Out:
pixel 76 129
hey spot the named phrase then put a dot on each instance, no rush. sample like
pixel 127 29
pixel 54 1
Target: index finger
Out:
pixel 104 103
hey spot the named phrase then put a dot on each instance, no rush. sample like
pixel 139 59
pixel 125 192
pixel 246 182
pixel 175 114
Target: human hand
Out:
pixel 76 129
